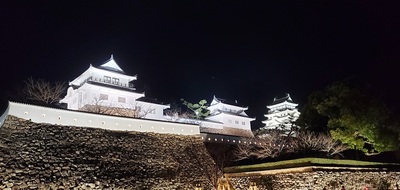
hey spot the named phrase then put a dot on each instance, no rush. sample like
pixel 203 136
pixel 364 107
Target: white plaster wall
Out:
pixel 91 96
pixel 239 125
pixel 283 113
pixel 99 74
pixel 40 114
pixel 229 121
pixel 146 109
pixel 74 101
pixel 71 98
pixel 113 95
pixel 93 92
pixel 271 121
pixel 211 125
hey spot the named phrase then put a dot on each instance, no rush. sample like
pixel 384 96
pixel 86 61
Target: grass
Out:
pixel 302 162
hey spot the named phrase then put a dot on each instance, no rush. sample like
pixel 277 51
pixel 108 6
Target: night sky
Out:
pixel 249 51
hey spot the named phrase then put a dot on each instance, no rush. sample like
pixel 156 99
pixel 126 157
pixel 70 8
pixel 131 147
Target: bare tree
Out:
pixel 44 91
pixel 246 151
pixel 139 110
pixel 99 106
pixel 332 147
pixel 318 142
pixel 309 141
pixel 222 153
pixel 144 112
pixel 176 115
pixel 274 144
pixel 173 114
pixel 134 110
pixel 270 145
pixel 95 107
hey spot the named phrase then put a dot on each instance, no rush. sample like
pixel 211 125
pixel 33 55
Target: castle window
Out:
pixel 107 79
pixel 243 123
pixel 230 121
pixel 236 122
pixel 115 81
pixel 121 99
pixel 103 97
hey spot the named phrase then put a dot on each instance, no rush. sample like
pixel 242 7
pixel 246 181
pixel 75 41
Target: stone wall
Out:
pixel 329 180
pixel 44 156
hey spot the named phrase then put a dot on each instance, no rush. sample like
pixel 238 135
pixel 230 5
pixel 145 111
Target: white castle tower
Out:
pixel 108 86
pixel 227 118
pixel 281 115
pixel 230 113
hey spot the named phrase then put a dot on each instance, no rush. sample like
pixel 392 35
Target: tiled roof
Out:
pixel 130 89
pixel 230 102
pixel 111 65
pixel 150 100
pixel 240 114
pixel 280 100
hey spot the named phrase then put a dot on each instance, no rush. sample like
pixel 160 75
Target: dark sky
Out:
pixel 250 51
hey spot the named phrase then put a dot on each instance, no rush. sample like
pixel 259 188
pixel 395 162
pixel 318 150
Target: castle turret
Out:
pixel 281 114
pixel 108 86
pixel 231 118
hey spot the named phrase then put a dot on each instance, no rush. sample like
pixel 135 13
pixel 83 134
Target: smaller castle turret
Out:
pixel 281 114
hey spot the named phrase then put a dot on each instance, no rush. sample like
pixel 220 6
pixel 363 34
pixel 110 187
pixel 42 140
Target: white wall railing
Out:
pixel 39 114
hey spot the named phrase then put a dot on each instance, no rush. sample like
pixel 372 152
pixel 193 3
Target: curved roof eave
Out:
pixel 75 81
pixel 282 103
pixel 131 78
pixel 241 116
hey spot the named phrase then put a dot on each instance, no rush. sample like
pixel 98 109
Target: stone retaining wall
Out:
pixel 43 156
pixel 329 180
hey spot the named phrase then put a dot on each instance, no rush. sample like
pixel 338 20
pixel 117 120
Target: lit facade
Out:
pixel 230 114
pixel 281 114
pixel 109 86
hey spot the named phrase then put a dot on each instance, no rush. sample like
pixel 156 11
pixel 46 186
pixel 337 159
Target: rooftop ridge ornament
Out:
pixel 288 96
pixel 110 64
